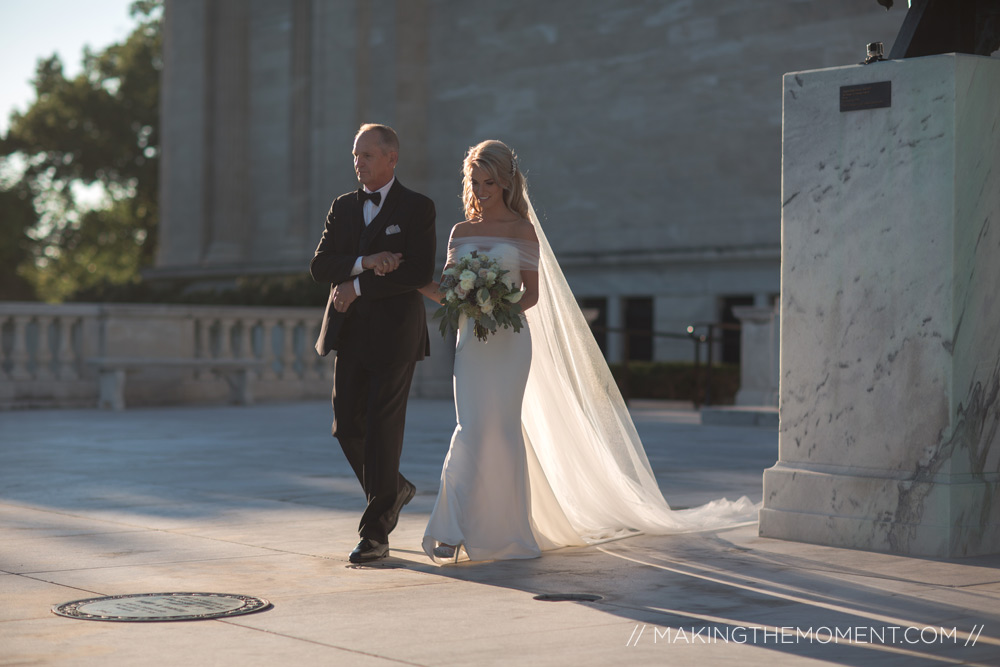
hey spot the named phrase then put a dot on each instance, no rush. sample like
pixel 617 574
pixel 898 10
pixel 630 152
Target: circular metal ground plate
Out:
pixel 144 607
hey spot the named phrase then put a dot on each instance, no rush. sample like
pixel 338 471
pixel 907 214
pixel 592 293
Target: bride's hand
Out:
pixel 432 291
pixel 382 262
pixel 380 272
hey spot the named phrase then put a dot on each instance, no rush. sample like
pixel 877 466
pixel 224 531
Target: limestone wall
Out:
pixel 649 130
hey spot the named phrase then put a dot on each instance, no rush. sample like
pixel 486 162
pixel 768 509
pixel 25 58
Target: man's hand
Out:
pixel 343 296
pixel 383 262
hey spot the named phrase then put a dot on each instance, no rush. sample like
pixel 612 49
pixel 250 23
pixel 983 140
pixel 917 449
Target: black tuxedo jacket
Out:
pixel 387 324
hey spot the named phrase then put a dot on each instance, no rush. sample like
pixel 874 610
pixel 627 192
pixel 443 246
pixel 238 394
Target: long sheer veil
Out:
pixel 586 464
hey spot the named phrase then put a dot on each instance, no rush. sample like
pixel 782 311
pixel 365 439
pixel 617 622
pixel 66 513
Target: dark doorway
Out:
pixel 731 336
pixel 639 318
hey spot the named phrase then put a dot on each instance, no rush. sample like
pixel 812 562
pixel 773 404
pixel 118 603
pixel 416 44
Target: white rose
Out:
pixel 487 308
pixel 515 297
pixel 467 285
pixel 461 292
pixel 491 277
pixel 467 275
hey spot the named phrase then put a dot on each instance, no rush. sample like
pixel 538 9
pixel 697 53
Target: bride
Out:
pixel 545 453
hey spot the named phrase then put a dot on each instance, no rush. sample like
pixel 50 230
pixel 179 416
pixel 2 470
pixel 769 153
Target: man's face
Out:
pixel 373 165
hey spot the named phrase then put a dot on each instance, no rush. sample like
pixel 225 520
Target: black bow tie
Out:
pixel 375 197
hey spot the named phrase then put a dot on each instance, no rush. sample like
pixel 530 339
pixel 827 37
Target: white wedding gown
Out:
pixel 545 453
pixel 484 501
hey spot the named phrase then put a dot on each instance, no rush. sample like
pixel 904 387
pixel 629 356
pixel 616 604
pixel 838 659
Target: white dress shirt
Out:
pixel 370 210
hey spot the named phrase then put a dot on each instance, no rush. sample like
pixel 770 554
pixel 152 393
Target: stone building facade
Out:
pixel 649 131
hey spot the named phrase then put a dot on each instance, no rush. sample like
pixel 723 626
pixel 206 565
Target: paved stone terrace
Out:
pixel 259 501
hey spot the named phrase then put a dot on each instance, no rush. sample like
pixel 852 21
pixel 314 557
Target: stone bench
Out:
pixel 112 372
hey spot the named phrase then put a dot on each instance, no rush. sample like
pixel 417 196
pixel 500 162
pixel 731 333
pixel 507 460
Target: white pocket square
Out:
pixel 392 229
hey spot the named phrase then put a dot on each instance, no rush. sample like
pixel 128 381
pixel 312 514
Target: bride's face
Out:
pixel 488 192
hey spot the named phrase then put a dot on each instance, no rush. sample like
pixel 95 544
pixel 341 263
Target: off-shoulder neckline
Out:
pixel 456 239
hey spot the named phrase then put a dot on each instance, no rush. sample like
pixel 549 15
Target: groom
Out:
pixel 376 250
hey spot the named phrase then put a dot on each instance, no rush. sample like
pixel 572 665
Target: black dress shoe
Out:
pixel 368 551
pixel 405 496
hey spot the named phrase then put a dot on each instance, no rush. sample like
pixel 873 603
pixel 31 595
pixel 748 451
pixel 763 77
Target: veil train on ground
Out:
pixel 588 473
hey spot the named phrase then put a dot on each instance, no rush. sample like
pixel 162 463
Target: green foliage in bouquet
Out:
pixel 478 288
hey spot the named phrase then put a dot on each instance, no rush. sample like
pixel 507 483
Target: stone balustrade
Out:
pixel 44 351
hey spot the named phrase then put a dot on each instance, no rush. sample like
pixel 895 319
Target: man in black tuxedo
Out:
pixel 376 250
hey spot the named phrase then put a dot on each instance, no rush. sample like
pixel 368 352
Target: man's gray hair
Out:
pixel 387 137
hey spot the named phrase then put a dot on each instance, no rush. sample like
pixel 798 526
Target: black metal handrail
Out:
pixel 701 396
pixel 710 339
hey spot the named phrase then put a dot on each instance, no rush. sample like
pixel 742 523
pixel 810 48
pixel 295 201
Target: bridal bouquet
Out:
pixel 478 288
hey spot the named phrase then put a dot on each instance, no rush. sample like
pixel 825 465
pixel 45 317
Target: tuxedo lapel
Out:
pixel 377 225
pixel 357 220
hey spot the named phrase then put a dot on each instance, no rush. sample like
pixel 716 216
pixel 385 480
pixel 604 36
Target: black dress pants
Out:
pixel 369 412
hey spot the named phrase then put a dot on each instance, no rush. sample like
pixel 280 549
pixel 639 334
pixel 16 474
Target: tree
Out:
pixel 101 127
pixel 17 216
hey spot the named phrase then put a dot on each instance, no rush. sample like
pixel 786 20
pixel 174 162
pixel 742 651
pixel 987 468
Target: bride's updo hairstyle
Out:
pixel 499 161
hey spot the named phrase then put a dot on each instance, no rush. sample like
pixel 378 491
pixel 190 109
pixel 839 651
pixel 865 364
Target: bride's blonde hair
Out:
pixel 499 161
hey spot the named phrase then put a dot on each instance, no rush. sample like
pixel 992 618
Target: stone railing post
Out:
pixel 245 346
pixel 202 341
pixel 65 356
pixel 19 355
pixel 227 349
pixel 43 352
pixel 267 353
pixel 285 351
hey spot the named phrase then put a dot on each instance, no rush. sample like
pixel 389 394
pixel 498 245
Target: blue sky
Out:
pixel 32 29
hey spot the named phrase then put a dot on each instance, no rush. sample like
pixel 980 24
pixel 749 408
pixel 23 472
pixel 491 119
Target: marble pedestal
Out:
pixel 890 311
pixel 759 354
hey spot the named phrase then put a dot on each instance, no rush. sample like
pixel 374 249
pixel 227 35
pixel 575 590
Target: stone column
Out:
pixel 334 115
pixel 229 165
pixel 890 349
pixel 183 132
pixel 413 92
pixel 302 219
